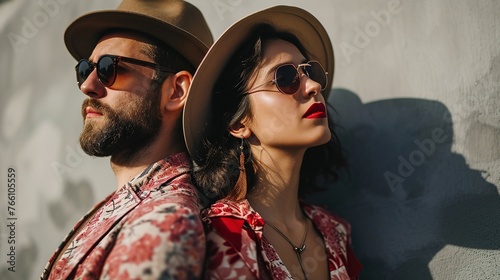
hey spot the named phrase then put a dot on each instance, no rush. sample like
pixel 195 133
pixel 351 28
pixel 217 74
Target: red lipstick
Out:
pixel 316 111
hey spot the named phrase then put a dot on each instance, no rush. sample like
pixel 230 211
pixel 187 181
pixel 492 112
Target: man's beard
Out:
pixel 125 131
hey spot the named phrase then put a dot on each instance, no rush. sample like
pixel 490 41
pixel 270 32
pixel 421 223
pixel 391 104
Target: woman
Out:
pixel 256 126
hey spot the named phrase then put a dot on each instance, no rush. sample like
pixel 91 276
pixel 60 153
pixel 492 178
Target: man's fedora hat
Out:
pixel 299 22
pixel 175 23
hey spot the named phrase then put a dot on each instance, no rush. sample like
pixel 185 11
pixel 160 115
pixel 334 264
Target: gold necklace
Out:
pixel 298 250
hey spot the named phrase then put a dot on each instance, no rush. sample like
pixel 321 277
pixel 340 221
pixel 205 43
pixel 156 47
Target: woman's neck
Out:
pixel 275 195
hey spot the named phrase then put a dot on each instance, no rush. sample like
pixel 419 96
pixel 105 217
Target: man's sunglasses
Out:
pixel 287 76
pixel 107 68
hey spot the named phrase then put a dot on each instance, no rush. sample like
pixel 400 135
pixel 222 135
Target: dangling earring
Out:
pixel 239 190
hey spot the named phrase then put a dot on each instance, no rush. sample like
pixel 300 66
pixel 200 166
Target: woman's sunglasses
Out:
pixel 287 76
pixel 107 68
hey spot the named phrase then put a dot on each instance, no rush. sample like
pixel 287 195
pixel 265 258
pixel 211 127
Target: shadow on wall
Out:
pixel 406 194
pixel 77 198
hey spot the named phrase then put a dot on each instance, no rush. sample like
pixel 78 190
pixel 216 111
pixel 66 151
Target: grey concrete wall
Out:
pixel 416 91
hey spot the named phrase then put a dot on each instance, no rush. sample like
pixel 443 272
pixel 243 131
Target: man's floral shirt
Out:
pixel 148 229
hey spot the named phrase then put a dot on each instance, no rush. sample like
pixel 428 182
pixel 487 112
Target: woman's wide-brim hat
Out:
pixel 309 31
pixel 175 23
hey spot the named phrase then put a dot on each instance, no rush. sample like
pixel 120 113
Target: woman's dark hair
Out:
pixel 217 161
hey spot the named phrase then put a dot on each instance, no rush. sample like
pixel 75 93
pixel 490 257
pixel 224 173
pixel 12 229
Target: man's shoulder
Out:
pixel 177 200
pixel 180 192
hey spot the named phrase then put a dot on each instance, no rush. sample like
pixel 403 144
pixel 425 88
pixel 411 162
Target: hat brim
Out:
pixel 309 31
pixel 84 33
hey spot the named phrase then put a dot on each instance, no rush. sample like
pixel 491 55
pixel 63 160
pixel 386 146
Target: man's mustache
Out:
pixel 96 105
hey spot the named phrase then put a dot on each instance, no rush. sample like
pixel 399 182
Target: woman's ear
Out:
pixel 241 129
pixel 175 90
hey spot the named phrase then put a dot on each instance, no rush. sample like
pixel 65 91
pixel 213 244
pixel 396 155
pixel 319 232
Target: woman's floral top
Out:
pixel 236 248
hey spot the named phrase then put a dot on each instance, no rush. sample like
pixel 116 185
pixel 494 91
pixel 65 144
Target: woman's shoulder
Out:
pixel 227 208
pixel 233 224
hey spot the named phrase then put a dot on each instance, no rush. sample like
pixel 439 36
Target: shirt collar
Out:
pixel 236 209
pixel 160 172
pixel 243 210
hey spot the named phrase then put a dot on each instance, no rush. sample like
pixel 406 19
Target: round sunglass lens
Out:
pixel 316 73
pixel 83 70
pixel 106 70
pixel 287 79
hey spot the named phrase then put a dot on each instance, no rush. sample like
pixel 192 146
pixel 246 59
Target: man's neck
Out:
pixel 125 174
pixel 127 165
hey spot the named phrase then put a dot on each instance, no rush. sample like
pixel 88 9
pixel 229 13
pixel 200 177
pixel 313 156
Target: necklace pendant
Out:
pixel 299 250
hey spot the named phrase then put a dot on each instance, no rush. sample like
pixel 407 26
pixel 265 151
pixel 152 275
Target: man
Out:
pixel 135 65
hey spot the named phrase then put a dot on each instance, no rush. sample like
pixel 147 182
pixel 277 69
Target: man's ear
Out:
pixel 241 129
pixel 175 90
